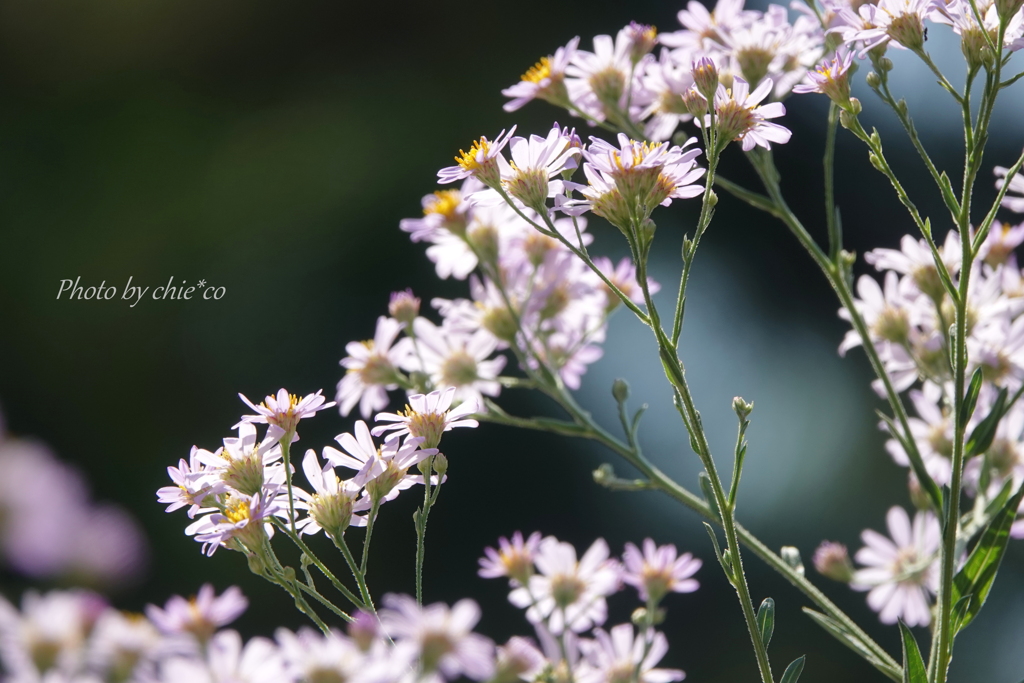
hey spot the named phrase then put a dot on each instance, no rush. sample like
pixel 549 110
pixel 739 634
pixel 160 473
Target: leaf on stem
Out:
pixel 979 572
pixel 850 640
pixel 985 432
pixel 766 621
pixel 726 565
pixel 793 671
pixel 914 670
pixel 971 397
pixel 709 495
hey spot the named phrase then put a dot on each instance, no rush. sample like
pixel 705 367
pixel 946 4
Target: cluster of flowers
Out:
pixel 909 317
pixel 69 535
pixel 75 637
pixel 238 490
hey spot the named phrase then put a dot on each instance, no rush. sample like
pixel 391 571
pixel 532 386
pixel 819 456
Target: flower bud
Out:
pixel 642 39
pixel 694 103
pixel 741 407
pixel 873 79
pixel 620 390
pixel 404 307
pixel 705 78
pixel 364 630
pixel 1007 9
pixel 833 561
pixel 791 556
pixel 440 464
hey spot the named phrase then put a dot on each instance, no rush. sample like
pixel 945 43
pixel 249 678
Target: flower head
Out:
pixel 201 615
pixel 283 412
pixel 658 570
pixel 441 638
pixel 618 657
pixel 384 470
pixel 428 416
pixel 483 161
pixel 513 559
pixel 900 573
pixel 739 115
pixel 831 77
pixel 545 80
pixel 372 369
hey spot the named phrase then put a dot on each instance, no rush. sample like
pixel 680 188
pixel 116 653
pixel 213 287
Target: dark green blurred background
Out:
pixel 272 148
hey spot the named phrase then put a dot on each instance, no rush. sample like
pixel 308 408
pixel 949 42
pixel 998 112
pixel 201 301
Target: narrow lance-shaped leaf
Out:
pixel 984 433
pixel 914 670
pixel 971 397
pixel 793 671
pixel 979 572
pixel 766 620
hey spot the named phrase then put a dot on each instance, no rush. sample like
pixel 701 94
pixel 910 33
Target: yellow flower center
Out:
pixel 468 160
pixel 238 512
pixel 445 202
pixel 539 71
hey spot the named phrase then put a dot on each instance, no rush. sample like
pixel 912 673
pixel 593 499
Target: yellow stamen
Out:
pixel 539 71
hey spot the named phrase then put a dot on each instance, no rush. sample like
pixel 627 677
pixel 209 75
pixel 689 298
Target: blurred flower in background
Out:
pixel 51 530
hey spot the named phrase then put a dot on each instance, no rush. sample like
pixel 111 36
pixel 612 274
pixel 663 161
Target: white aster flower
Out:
pixel 312 656
pixel 545 80
pixel 1016 186
pixel 513 559
pixel 242 464
pixel 283 412
pixel 428 416
pixel 439 637
pixel 914 258
pixel 740 116
pixel 192 483
pixel 372 369
pixel 618 657
pixel 199 616
pixel 902 573
pixel 483 161
pixel 124 646
pixel 227 661
pixel 245 520
pixel 333 503
pixel 535 161
pixel 458 360
pixel 383 470
pixel 569 595
pixel 49 634
pixel 598 82
pixel 659 570
pixel 704 30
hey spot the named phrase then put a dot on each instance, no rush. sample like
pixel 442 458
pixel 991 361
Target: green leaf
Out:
pixel 914 670
pixel 979 572
pixel 793 671
pixel 916 462
pixel 959 612
pixel 726 566
pixel 997 503
pixel 766 620
pixel 709 494
pixel 971 397
pixel 837 631
pixel 985 431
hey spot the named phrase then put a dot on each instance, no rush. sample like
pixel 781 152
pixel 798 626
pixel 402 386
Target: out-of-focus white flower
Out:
pixel 998 247
pixel 1016 186
pixel 513 559
pixel 199 616
pixel 312 656
pixel 227 661
pixel 372 369
pixel 598 82
pixel 428 416
pixel 519 658
pixel 439 637
pixel 458 360
pixel 898 21
pixel 568 594
pixel 618 657
pixel 123 646
pixel 902 573
pixel 659 570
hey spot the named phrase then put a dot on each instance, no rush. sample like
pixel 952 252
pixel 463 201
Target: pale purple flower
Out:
pixel 191 483
pixel 124 646
pixel 48 634
pixel 902 573
pixel 833 561
pixel 598 82
pixel 439 637
pixel 333 503
pixel 245 520
pixel 309 655
pixel 569 594
pixel 914 258
pixel 518 658
pixel 483 161
pixel 544 80
pixel 998 247
pixel 199 616
pixel 831 77
pixel 284 411
pixel 228 661
pixel 383 470
pixel 623 276
pixel 535 161
pixel 242 464
pixel 658 570
pixel 664 84
pixel 618 656
pixel 429 416
pixel 740 116
pixel 897 21
pixel 513 559
pixel 1016 186
pixel 705 30
pixel 372 369
pixel 458 360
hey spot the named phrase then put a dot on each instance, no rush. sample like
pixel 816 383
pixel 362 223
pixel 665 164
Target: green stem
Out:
pixel 286 444
pixel 374 507
pixel 421 526
pixel 342 545
pixel 318 563
pixel 835 238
